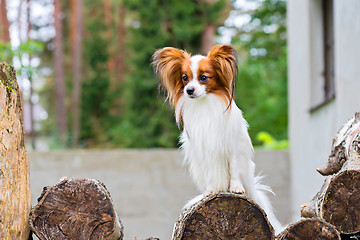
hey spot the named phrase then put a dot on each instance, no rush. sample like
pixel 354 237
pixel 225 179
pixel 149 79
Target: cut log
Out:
pixel 338 201
pixel 223 216
pixel 77 208
pixel 314 229
pixel 150 238
pixel 345 144
pixel 15 202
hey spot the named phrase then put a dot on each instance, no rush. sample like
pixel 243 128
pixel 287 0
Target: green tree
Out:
pixel 147 121
pixel 262 84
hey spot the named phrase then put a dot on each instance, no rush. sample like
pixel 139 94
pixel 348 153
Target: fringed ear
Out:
pixel 224 60
pixel 167 64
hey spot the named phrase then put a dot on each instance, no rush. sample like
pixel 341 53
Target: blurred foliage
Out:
pixel 262 84
pixel 7 52
pixel 30 47
pixel 147 121
pixel 270 143
pixel 133 113
pixel 96 94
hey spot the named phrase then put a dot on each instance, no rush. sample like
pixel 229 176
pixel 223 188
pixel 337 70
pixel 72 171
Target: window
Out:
pixel 322 47
pixel 328 29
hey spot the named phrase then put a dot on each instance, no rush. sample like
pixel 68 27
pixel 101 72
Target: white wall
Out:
pixel 311 133
pixel 148 187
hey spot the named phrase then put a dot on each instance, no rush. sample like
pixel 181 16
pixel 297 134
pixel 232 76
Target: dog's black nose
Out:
pixel 190 90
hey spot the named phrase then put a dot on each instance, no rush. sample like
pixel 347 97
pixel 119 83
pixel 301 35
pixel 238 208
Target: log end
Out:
pixel 76 208
pixel 341 204
pixel 223 216
pixel 314 229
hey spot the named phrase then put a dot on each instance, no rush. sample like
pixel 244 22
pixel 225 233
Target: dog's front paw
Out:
pixel 209 192
pixel 237 189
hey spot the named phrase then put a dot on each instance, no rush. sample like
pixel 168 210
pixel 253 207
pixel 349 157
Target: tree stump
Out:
pixel 77 208
pixel 338 201
pixel 314 229
pixel 15 202
pixel 223 216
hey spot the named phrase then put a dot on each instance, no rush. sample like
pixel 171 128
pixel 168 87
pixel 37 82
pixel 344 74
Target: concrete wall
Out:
pixel 311 132
pixel 148 187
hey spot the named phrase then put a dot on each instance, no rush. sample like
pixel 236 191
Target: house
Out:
pixel 324 85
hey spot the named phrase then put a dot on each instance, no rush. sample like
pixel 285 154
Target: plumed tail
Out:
pixel 261 198
pixel 262 187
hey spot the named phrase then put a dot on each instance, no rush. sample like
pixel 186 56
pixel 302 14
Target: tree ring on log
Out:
pixel 76 208
pixel 311 228
pixel 341 205
pixel 223 216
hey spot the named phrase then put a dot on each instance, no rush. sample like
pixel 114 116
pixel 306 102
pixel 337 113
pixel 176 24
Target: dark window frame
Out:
pixel 328 48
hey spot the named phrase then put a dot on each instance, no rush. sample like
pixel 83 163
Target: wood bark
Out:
pixel 15 202
pixel 209 32
pixel 314 229
pixel 76 39
pixel 59 69
pixel 76 208
pixel 4 23
pixel 338 201
pixel 150 238
pixel 109 36
pixel 223 216
pixel 346 142
pixel 120 56
pixel 208 38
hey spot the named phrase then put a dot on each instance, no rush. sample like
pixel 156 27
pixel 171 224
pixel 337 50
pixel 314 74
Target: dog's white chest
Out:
pixel 205 141
pixel 206 124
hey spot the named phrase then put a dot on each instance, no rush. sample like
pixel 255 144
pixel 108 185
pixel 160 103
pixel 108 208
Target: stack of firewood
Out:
pixel 82 208
pixel 334 212
pixel 338 201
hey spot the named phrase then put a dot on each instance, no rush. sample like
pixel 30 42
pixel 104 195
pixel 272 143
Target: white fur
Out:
pixel 195 64
pixel 218 149
pixel 194 82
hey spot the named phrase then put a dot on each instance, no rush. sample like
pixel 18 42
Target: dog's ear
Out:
pixel 224 60
pixel 167 63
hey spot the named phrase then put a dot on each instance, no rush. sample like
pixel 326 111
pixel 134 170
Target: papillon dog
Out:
pixel 214 139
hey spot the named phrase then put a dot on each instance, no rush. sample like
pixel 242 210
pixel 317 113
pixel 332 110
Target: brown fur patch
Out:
pixel 167 63
pixel 224 60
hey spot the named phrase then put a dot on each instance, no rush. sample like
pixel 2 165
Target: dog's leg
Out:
pixel 236 184
pixel 209 192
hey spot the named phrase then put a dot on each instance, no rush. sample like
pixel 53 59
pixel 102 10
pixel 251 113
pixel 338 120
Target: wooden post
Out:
pixel 338 201
pixel 15 202
pixel 223 216
pixel 314 229
pixel 76 208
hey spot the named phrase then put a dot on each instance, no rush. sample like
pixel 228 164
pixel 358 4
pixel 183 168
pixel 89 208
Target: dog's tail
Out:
pixel 261 198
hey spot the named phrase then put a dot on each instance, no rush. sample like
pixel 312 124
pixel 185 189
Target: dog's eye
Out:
pixel 185 78
pixel 203 78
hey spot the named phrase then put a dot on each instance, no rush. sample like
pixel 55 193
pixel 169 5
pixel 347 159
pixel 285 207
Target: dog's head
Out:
pixel 196 76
